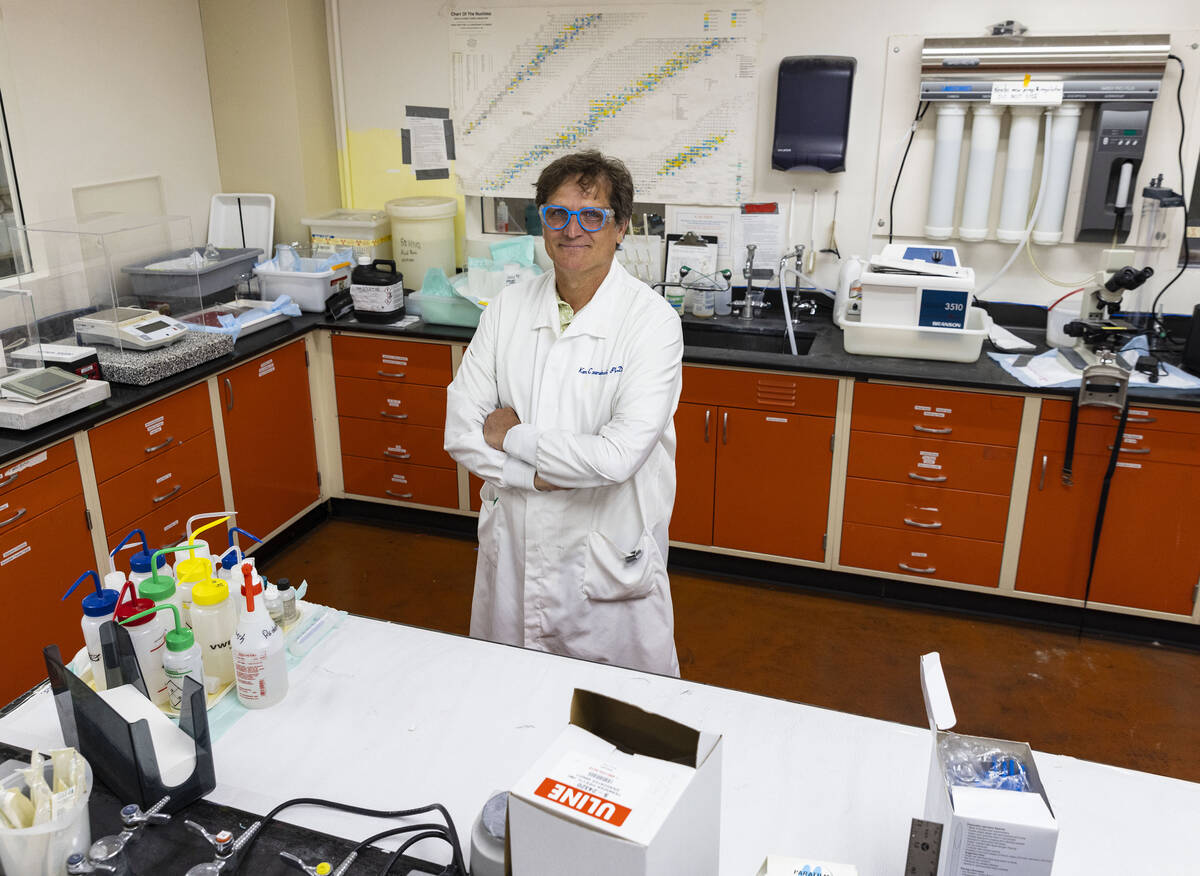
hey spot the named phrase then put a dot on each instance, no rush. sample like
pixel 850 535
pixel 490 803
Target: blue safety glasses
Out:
pixel 556 218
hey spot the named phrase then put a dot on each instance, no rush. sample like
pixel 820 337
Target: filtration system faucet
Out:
pixel 107 854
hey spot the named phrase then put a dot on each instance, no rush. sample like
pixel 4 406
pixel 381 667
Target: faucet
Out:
pixel 749 306
pixel 799 307
pixel 107 854
pixel 225 846
pixel 320 869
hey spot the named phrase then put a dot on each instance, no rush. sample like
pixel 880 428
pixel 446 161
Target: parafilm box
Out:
pixel 620 790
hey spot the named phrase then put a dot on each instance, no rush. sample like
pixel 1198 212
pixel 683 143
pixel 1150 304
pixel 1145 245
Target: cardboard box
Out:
pixel 779 865
pixel 986 831
pixel 620 790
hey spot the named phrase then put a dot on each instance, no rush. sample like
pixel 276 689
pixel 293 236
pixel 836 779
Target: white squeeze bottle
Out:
pixel 182 657
pixel 258 654
pixel 146 633
pixel 214 620
pixel 97 610
pixel 196 568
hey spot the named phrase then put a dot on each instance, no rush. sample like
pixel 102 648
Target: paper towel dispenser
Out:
pixel 812 112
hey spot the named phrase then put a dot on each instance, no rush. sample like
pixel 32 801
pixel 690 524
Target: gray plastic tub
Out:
pixel 221 276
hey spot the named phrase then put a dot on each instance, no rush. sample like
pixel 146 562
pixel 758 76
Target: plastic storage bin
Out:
pixel 309 287
pixel 941 344
pixel 45 848
pixel 423 235
pixel 444 310
pixel 153 286
pixel 366 232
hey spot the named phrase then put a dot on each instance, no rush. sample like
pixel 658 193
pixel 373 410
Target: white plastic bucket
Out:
pixel 43 850
pixel 422 236
pixel 1058 317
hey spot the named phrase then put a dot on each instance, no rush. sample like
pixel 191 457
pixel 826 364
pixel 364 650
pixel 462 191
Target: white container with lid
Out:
pixel 422 236
pixel 367 232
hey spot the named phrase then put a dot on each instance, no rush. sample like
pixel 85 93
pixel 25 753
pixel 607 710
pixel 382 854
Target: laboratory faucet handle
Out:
pixel 78 864
pixel 324 868
pixel 222 840
pixel 133 817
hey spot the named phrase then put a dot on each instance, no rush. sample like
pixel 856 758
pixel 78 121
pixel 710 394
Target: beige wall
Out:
pixel 272 105
pixel 100 92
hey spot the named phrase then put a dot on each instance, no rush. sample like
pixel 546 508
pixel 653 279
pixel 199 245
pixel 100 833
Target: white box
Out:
pixel 620 790
pixel 986 831
pixel 367 232
pixel 916 300
pixel 779 865
pixel 309 288
pixel 943 345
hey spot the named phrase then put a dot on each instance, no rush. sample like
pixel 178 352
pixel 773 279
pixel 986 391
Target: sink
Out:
pixel 750 340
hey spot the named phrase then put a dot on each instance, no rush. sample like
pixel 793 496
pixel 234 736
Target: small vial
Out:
pixel 274 603
pixel 287 600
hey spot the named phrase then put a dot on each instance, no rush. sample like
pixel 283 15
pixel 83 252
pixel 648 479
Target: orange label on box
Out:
pixel 581 801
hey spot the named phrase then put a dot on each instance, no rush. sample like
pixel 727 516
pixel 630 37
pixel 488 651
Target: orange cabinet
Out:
pixel 772 483
pixel 1147 562
pixel 167 524
pixel 394 442
pixel 981 418
pixel 924 554
pixel 140 435
pixel 958 465
pixel 394 361
pixel 759 390
pixel 420 484
pixel 391 402
pixel 926 509
pixel 269 437
pixel 158 481
pixel 695 467
pixel 44 545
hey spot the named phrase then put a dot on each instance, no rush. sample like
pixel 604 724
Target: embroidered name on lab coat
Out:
pixel 615 369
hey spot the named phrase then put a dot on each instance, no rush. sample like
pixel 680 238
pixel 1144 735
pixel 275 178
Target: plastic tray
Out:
pixel 242 219
pixel 217 277
pixel 444 310
pixel 309 289
pixel 940 344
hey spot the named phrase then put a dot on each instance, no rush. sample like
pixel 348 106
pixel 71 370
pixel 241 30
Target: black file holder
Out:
pixel 122 754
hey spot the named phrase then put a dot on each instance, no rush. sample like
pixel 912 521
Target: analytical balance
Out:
pixel 35 385
pixel 128 327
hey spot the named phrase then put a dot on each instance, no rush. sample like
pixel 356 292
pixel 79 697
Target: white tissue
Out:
pixel 1005 340
pixel 174 749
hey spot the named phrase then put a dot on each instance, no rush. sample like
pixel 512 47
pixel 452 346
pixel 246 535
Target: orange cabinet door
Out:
pixel 42 557
pixel 772 483
pixel 1154 569
pixel 19 474
pixel 420 484
pixel 926 509
pixel 157 481
pixel 923 554
pixel 980 418
pixel 983 468
pixel 391 402
pixel 403 361
pixel 140 435
pixel 395 442
pixel 269 436
pixel 166 525
pixel 695 463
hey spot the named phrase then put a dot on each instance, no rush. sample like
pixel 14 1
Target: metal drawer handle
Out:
pixel 15 517
pixel 934 480
pixel 1042 479
pixel 909 568
pixel 8 480
pixel 935 525
pixel 1137 419
pixel 394 455
pixel 1131 449
pixel 707 417
pixel 160 446
pixel 229 391
pixel 390 373
pixel 725 427
pixel 393 416
pixel 945 431
pixel 175 489
pixel 399 495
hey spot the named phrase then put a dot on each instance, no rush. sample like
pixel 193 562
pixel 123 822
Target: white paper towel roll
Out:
pixel 174 749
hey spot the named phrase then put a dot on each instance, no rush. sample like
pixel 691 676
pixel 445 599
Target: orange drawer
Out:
pixel 129 440
pixel 1139 417
pixel 754 389
pixel 981 468
pixel 1137 445
pixel 394 361
pixel 44 555
pixel 396 442
pixel 22 505
pixel 145 487
pixel 378 400
pixel 941 557
pixel 956 416
pixel 15 475
pixel 926 509
pixel 408 483
pixel 167 524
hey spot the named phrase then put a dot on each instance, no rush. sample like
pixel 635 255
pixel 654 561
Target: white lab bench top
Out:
pixel 390 717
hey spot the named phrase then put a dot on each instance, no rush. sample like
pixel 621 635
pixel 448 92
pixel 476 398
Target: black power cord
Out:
pixel 1154 317
pixel 447 833
pixel 922 108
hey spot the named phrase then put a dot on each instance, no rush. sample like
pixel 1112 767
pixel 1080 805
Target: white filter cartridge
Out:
pixel 943 184
pixel 1062 155
pixel 981 168
pixel 1018 173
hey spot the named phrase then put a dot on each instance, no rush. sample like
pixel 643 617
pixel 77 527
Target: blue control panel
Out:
pixel 936 255
pixel 943 308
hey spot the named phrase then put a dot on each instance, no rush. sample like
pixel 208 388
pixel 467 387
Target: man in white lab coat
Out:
pixel 564 405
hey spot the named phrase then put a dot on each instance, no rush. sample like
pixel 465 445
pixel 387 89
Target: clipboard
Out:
pixel 697 251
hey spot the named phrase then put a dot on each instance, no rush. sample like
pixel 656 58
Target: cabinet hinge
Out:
pixel 306 357
pixel 824 538
pixel 318 477
pixel 831 437
pixel 87 515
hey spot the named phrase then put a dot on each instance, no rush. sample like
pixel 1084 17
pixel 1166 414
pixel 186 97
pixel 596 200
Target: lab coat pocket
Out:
pixel 613 573
pixel 489 512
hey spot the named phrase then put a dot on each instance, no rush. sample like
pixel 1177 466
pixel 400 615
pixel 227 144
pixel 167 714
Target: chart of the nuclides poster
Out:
pixel 670 90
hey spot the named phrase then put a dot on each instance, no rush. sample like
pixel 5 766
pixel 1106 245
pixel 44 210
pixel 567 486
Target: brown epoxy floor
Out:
pixel 1126 704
